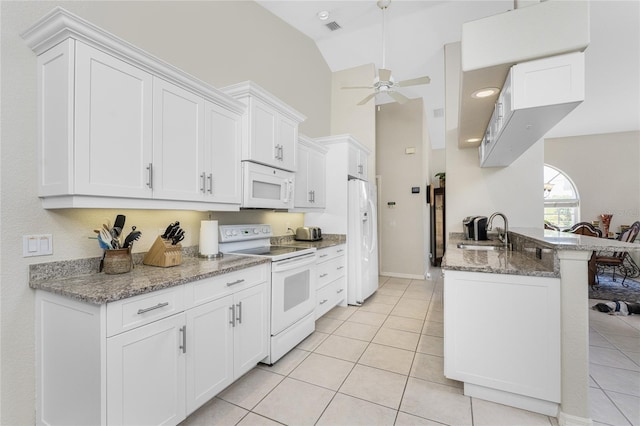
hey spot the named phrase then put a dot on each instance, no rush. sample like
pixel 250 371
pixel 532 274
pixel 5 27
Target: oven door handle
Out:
pixel 296 262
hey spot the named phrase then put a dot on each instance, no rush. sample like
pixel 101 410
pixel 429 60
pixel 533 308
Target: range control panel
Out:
pixel 230 233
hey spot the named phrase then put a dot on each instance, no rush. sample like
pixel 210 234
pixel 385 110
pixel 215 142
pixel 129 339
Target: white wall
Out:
pixel 219 42
pixel 515 190
pixel 401 237
pixel 606 171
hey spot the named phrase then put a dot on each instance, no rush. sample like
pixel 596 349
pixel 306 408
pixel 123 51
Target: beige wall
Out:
pixel 401 237
pixel 514 190
pixel 606 171
pixel 349 117
pixel 219 42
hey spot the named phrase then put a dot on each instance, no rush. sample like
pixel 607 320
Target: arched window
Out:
pixel 561 199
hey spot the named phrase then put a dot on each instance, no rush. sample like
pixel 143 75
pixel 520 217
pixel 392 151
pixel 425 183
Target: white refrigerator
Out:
pixel 362 241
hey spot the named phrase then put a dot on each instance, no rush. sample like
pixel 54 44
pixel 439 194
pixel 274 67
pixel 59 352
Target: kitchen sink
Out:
pixel 466 246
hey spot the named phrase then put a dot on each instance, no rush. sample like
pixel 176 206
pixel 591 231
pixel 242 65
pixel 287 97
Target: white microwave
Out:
pixel 266 187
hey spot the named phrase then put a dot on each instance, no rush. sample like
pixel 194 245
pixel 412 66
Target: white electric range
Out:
pixel 293 283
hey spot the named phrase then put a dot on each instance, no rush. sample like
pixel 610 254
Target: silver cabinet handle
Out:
pixel 311 196
pixel 210 179
pixel 158 306
pixel 150 176
pixel 183 330
pixel 323 275
pixel 239 317
pixel 323 255
pixel 202 184
pixel 340 291
pixel 340 267
pixel 324 301
pixel 235 282
pixel 281 153
pixel 232 308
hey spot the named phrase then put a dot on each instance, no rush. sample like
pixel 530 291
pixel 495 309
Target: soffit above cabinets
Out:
pixel 490 46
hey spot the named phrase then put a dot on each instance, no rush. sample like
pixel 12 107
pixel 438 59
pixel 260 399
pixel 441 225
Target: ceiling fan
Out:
pixel 384 82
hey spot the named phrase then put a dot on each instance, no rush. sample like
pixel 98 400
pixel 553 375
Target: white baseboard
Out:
pixel 400 275
pixel 565 419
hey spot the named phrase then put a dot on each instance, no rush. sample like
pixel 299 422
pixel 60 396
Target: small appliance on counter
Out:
pixel 308 233
pixel 475 228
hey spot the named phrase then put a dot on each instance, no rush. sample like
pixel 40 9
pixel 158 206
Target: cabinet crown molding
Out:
pixel 60 24
pixel 249 88
pixel 328 140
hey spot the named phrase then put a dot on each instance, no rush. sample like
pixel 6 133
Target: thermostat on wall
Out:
pixel 415 189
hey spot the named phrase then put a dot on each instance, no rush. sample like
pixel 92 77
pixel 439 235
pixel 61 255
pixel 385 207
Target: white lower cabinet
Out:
pixel 331 289
pixel 502 338
pixel 150 359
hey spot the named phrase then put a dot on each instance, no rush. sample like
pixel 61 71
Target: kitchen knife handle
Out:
pixel 202 181
pixel 150 176
pixel 210 179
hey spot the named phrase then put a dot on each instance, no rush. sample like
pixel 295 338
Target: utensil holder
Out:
pixel 163 253
pixel 117 261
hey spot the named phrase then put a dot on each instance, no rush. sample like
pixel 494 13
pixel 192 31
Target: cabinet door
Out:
pixel 287 136
pixel 357 163
pixel 263 134
pixel 251 339
pixel 145 374
pixel 302 191
pixel 178 143
pixel 316 175
pixel 113 126
pixel 222 151
pixel 209 351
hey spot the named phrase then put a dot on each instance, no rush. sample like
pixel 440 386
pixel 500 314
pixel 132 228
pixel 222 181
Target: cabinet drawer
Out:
pixel 329 296
pixel 130 313
pixel 202 291
pixel 330 252
pixel 330 270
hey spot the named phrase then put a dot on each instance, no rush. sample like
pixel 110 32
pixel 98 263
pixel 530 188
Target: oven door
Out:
pixel 266 187
pixel 293 291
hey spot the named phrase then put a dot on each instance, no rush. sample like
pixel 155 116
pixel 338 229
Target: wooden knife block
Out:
pixel 164 254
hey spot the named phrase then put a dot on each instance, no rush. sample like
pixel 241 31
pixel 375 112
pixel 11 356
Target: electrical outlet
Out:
pixel 37 245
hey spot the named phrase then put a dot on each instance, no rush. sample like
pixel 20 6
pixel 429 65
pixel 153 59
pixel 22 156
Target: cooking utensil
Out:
pixel 133 236
pixel 105 238
pixel 118 225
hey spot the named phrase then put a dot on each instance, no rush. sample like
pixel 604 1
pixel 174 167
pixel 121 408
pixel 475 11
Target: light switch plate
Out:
pixel 37 245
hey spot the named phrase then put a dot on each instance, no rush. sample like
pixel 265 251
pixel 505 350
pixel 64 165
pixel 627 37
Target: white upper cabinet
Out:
pixel 270 127
pixel 535 97
pixel 358 159
pixel 119 128
pixel 178 143
pixel 310 189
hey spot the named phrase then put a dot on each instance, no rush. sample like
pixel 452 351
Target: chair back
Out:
pixel 549 225
pixel 585 228
pixel 630 234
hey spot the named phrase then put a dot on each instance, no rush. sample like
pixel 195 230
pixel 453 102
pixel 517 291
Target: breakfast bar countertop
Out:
pixel 534 252
pixel 85 284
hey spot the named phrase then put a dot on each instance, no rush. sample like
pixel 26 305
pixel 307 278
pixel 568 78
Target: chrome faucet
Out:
pixel 502 237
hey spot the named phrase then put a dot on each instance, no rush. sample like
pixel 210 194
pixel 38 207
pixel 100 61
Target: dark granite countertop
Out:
pixel 74 279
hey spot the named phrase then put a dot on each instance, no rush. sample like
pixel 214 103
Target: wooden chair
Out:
pixel 621 260
pixel 585 228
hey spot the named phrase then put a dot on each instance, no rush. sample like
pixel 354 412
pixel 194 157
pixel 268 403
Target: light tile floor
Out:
pixel 382 364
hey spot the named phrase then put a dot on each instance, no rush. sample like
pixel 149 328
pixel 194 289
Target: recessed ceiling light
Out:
pixel 473 140
pixel 485 93
pixel 323 15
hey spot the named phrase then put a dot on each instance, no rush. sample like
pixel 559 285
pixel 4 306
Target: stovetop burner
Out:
pixel 271 250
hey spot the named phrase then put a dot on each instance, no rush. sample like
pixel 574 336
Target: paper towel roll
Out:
pixel 208 237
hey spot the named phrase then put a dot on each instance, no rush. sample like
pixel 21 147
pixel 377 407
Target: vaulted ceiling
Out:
pixel 416 32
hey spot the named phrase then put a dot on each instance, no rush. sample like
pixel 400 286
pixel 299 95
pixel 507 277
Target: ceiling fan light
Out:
pixel 485 92
pixel 323 15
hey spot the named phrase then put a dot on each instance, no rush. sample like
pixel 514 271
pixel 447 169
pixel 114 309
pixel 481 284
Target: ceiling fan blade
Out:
pixel 384 75
pixel 398 97
pixel 367 99
pixel 414 81
pixel 357 87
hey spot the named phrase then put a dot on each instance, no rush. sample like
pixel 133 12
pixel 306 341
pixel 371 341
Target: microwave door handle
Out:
pixel 287 190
